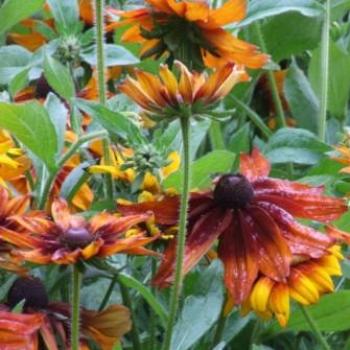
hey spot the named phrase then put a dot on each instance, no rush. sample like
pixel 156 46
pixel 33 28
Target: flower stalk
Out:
pixel 324 72
pixel 75 325
pixel 101 83
pixel 181 239
pixel 315 328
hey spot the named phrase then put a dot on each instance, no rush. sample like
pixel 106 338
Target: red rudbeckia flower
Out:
pixel 253 216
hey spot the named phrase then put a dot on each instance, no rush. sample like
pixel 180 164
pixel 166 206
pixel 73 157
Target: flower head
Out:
pixel 190 30
pixel 69 238
pixel 193 92
pixel 253 216
pixel 50 321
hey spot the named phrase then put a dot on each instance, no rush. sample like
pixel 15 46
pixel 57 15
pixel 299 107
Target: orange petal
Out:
pixel 254 166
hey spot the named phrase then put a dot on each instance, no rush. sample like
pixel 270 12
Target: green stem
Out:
pixel 181 238
pixel 101 83
pixel 153 325
pixel 216 137
pixel 281 118
pixel 314 328
pixel 253 116
pixel 219 329
pixel 75 323
pixel 135 338
pixel 324 72
pixel 71 151
pixel 108 293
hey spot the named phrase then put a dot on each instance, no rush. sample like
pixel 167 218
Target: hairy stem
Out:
pixel 181 238
pixel 324 72
pixel 75 323
pixel 315 328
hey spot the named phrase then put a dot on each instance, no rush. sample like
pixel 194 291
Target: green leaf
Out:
pixel 59 78
pixel 218 161
pixel 296 146
pixel 331 314
pixel 116 123
pixel 146 293
pixel 339 78
pixel 19 81
pixel 240 141
pixel 58 114
pixel 115 56
pixel 301 98
pixel 289 34
pixel 13 60
pixel 65 12
pixel 14 11
pixel 31 125
pixel 200 311
pixel 339 8
pixel 258 9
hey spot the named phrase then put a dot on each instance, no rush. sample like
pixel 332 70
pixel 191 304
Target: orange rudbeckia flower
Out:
pixel 190 29
pixel 69 238
pixel 253 216
pixel 192 93
pixel 52 319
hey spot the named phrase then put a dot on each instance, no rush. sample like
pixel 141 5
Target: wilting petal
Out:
pixel 301 239
pixel 200 239
pixel 309 205
pixel 254 166
pixel 108 326
pixel 238 253
pixel 274 256
pixel 166 211
pixel 60 213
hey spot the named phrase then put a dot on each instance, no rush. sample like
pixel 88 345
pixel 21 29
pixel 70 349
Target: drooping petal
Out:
pixel 238 254
pixel 301 239
pixel 260 294
pixel 254 166
pixel 279 303
pixel 200 239
pixel 273 253
pixel 339 235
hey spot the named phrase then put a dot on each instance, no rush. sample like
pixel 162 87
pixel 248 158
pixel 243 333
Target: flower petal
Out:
pixel 60 213
pixel 254 166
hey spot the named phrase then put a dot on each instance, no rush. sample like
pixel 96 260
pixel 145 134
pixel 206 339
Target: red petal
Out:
pixel 201 238
pixel 254 165
pixel 165 211
pixel 272 249
pixel 304 205
pixel 302 240
pixel 238 253
pixel 339 235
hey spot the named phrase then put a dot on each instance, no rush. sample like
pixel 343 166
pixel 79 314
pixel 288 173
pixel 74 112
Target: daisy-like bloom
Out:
pixel 69 238
pixel 191 28
pixel 253 216
pixel 193 93
pixel 51 320
pixel 308 280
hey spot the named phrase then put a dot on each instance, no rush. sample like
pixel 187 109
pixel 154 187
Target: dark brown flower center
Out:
pixel 77 237
pixel 233 191
pixel 42 88
pixel 30 289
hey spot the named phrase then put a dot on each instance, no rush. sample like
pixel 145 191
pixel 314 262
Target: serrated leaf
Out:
pixel 296 146
pixel 258 9
pixel 14 11
pixel 115 123
pixel 301 98
pixel 207 305
pixel 219 161
pixel 31 125
pixel 59 78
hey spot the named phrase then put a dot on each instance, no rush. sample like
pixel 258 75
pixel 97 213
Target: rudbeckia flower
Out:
pixel 192 29
pixel 69 238
pixel 193 93
pixel 253 217
pixel 51 320
pixel 308 280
